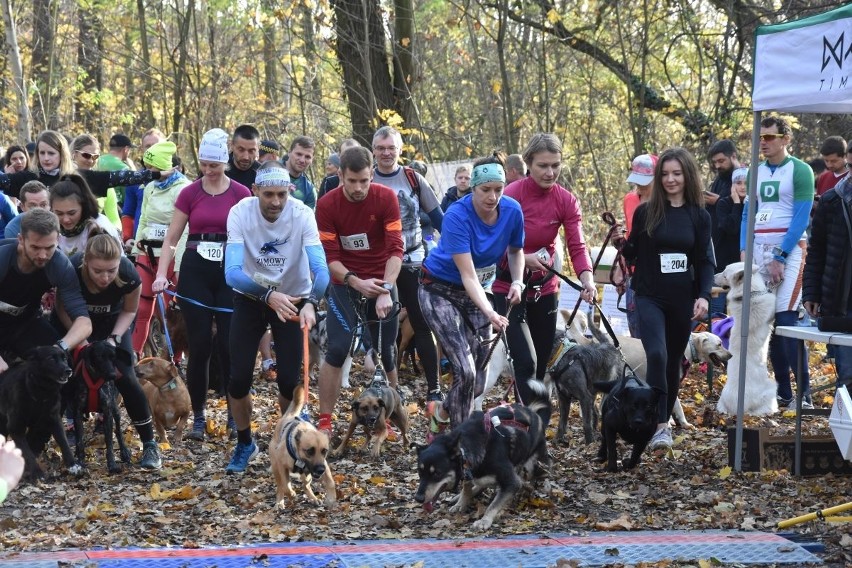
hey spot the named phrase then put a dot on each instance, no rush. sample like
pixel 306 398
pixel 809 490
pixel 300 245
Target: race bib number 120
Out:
pixel 211 251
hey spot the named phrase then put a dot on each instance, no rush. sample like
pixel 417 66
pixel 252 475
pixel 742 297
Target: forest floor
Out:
pixel 191 502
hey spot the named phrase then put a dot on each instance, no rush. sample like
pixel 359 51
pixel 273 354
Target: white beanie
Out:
pixel 214 146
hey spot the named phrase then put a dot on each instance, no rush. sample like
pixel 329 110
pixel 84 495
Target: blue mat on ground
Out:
pixel 529 551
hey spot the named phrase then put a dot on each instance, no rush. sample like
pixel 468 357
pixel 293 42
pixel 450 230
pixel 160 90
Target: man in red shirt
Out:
pixel 361 232
pixel 833 153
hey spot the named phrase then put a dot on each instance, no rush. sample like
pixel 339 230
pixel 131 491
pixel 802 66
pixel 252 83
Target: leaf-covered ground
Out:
pixel 191 502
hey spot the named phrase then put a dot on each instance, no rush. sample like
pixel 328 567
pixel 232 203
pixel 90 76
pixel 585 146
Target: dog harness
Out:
pixel 564 348
pixel 299 465
pixel 490 421
pixel 93 384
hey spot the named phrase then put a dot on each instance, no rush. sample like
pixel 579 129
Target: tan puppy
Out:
pixel 377 404
pixel 167 395
pixel 298 448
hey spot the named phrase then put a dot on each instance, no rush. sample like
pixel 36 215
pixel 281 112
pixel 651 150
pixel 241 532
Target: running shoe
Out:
pixel 436 425
pixel 199 427
pixel 662 439
pixel 243 454
pixel 151 456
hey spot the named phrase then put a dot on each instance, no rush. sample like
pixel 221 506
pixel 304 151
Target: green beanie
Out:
pixel 160 155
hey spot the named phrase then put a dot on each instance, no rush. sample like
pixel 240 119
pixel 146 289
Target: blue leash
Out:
pixel 197 303
pixel 162 305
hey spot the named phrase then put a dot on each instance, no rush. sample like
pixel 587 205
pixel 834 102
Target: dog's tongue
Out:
pixel 427 506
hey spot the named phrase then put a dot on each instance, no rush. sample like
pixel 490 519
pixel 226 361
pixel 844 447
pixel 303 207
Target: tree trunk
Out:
pixel 403 45
pixel 147 71
pixel 14 56
pixel 180 69
pixel 44 36
pixel 360 48
pixel 89 64
pixel 270 56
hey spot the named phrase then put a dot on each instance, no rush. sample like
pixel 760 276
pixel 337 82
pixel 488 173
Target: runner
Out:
pixel 273 248
pixel 361 234
pixel 202 291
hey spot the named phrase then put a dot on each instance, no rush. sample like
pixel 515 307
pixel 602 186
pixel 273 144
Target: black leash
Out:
pixel 579 288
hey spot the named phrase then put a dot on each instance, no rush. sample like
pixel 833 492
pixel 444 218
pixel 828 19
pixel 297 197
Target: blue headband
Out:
pixel 485 173
pixel 272 177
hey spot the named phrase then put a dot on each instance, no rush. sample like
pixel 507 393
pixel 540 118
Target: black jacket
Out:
pixel 828 253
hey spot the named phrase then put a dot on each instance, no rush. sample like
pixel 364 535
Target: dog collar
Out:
pixel 753 294
pixel 171 385
pixel 693 352
pixel 565 346
pixel 299 463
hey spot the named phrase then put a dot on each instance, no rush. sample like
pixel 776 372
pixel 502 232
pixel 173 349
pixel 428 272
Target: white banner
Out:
pixel 805 66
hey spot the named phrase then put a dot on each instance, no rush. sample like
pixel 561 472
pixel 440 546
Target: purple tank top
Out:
pixel 209 213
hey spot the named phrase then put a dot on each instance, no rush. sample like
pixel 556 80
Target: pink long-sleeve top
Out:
pixel 545 210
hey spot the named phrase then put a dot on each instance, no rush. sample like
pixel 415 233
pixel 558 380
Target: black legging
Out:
pixel 248 325
pixel 204 281
pixel 407 283
pixel 665 324
pixel 531 333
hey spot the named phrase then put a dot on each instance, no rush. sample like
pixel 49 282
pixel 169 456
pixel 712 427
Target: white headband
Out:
pixel 272 177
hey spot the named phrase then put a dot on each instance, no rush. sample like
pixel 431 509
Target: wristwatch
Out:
pixel 116 338
pixel 346 277
pixel 62 345
pixel 387 286
pixel 778 251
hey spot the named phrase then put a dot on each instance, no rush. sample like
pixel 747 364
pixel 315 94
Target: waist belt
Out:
pixel 210 237
pixel 426 278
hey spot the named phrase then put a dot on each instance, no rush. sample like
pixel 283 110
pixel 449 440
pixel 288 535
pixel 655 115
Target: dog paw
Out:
pixel 76 470
pixel 115 468
pixel 125 456
pixel 482 525
pixel 330 501
pixel 457 508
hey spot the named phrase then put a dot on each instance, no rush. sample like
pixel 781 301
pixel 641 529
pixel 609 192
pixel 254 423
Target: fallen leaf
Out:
pixel 621 523
pixel 725 472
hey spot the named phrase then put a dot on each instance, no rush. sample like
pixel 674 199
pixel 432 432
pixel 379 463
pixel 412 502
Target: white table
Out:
pixel 815 335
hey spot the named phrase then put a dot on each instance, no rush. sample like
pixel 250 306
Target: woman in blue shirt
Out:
pixel 457 273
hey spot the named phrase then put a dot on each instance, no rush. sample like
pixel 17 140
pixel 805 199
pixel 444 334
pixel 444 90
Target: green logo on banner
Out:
pixel 770 191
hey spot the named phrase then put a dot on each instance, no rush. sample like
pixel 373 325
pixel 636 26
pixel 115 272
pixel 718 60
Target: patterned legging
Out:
pixel 453 317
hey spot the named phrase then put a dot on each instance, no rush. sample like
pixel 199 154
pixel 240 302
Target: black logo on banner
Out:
pixel 835 51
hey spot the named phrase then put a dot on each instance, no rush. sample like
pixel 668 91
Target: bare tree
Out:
pixel 13 53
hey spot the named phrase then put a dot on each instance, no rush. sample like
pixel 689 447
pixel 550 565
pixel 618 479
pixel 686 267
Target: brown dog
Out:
pixel 372 409
pixel 166 394
pixel 297 447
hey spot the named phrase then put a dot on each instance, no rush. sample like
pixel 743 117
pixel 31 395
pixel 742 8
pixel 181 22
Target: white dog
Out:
pixel 759 388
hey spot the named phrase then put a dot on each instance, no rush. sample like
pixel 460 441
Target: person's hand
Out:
pixel 159 284
pixel 283 305
pixel 369 287
pixel 164 174
pixel 383 304
pixel 11 463
pixel 516 294
pixel 307 317
pixel 776 272
pixel 498 322
pixel 735 197
pixel 699 309
pixel 812 308
pixel 590 292
pixel 533 262
pixel 9 169
pixel 618 239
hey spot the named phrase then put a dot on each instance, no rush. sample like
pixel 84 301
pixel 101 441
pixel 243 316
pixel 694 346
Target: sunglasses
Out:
pixel 89 156
pixel 769 137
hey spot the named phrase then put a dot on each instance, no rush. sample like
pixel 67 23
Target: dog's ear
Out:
pixel 355 405
pixel 382 403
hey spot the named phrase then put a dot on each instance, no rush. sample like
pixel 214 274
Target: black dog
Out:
pixel 487 449
pixel 30 401
pixel 628 410
pixel 92 389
